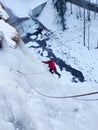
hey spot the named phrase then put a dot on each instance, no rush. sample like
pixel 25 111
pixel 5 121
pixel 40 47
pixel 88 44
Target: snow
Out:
pixel 69 44
pixel 9 33
pixel 23 105
pixel 3 14
pixel 22 8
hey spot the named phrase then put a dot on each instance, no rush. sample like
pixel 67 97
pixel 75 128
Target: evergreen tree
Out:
pixel 60 6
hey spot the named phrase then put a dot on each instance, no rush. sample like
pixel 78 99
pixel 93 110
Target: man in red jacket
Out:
pixel 52 66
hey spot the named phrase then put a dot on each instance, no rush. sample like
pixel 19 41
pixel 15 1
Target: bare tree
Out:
pixel 84 27
pixel 71 8
pixel 84 22
pixel 95 9
pixel 88 13
pixel 79 12
pixel 89 23
pixel 60 6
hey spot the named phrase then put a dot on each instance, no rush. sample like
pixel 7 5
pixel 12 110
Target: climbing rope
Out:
pixel 61 97
pixel 30 73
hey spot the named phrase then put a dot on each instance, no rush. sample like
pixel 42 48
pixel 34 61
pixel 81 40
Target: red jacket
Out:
pixel 51 64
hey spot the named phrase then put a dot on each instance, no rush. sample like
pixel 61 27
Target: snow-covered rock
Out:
pixel 3 13
pixel 11 35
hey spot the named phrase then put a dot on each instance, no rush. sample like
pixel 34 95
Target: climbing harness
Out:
pixel 62 97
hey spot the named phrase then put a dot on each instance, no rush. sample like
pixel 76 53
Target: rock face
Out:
pixel 8 34
pixel 36 11
pixel 3 13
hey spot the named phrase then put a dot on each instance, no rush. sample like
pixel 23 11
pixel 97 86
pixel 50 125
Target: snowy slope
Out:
pixel 23 105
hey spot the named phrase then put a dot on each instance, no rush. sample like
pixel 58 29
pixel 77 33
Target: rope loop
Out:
pixel 61 97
